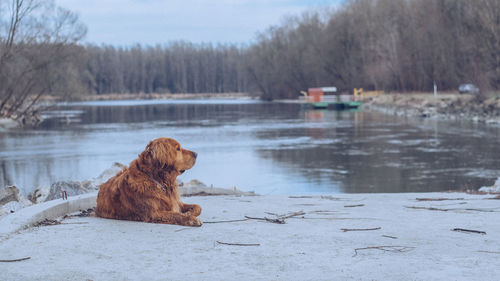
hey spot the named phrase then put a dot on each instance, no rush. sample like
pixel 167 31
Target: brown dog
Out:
pixel 147 189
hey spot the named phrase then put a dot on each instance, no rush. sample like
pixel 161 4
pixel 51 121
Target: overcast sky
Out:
pixel 149 22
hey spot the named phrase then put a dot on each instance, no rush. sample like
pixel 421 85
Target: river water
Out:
pixel 269 148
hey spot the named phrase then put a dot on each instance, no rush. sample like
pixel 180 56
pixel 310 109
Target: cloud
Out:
pixel 125 22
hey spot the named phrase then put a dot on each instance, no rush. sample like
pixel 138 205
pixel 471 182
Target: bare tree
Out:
pixel 35 37
pixel 487 14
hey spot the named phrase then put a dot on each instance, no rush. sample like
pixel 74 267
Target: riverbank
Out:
pixel 405 236
pixel 444 106
pixel 47 101
pixel 158 96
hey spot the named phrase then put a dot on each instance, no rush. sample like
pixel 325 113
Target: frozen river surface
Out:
pixel 269 148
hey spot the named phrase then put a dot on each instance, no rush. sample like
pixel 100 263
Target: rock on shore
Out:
pixel 197 188
pixel 73 188
pixel 11 198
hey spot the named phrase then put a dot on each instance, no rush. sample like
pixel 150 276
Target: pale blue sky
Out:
pixel 149 22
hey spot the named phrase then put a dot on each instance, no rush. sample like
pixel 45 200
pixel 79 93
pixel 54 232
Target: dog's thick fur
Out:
pixel 147 189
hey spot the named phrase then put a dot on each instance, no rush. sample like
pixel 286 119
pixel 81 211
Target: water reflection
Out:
pixel 265 147
pixel 366 152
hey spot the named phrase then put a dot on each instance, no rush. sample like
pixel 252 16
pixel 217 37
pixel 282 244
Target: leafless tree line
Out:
pixel 180 67
pixel 394 45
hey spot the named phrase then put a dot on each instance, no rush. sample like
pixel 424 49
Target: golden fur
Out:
pixel 147 189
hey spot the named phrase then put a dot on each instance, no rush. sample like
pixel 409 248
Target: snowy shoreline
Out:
pixel 445 106
pixel 404 236
pixel 398 236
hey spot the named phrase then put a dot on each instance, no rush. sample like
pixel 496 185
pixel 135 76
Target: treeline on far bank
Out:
pixel 391 45
pixel 180 67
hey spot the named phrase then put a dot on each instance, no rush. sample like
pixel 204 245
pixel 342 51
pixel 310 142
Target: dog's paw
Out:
pixel 194 222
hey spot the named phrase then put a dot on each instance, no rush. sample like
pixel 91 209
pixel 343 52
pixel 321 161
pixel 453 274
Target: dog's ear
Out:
pixel 147 156
pixel 160 153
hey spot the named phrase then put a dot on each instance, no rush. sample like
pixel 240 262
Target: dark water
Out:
pixel 264 147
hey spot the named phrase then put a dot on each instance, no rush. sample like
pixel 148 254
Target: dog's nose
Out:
pixel 195 154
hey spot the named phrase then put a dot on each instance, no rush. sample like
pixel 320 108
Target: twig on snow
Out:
pixel 287 216
pixel 236 244
pixel 185 228
pixel 326 197
pixel 352 206
pixel 492 210
pixel 322 212
pixel 427 208
pixel 277 220
pixel 489 252
pixel 456 209
pixel 330 218
pixel 360 229
pixel 16 260
pixel 393 249
pixel 329 197
pixel 437 199
pixel 469 231
pixel 291 215
pixel 388 236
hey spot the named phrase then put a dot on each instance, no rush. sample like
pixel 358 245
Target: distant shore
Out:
pixel 9 123
pixel 166 96
pixel 451 106
pixel 445 106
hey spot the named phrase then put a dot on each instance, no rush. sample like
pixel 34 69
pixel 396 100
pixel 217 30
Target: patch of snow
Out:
pixel 3 211
pixel 13 206
pixel 403 239
pixel 196 187
pixel 492 189
pixel 72 188
pixel 7 123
